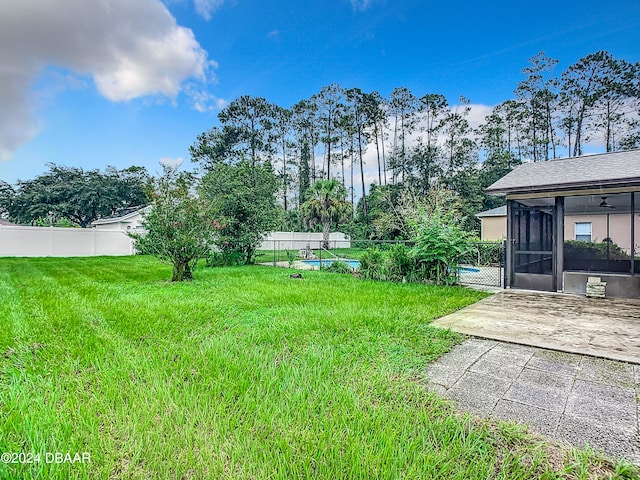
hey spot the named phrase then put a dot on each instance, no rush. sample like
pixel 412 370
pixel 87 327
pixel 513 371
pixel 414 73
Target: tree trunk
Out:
pixel 364 196
pixel 284 170
pixel 181 272
pixel 329 148
pixel 378 154
pixel 353 205
pixel 326 228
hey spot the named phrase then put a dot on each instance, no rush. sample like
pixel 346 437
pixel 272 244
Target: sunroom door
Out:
pixel 533 253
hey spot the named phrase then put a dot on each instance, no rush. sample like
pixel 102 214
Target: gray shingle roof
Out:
pixel 494 212
pixel 606 169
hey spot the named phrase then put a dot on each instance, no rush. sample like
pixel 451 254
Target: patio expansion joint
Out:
pixel 566 400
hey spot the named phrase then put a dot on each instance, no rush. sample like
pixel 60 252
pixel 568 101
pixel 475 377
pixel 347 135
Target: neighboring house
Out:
pixel 129 221
pixel 587 228
pixel 594 199
pixel 493 224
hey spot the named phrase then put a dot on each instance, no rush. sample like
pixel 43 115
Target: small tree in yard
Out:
pixel 242 196
pixel 326 204
pixel 180 228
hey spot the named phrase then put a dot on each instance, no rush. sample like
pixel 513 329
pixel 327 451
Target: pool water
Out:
pixel 355 264
pixel 468 269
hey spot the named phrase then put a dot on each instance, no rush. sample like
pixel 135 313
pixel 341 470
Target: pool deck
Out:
pixel 300 265
pixel 297 265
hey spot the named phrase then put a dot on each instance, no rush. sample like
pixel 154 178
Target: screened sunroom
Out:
pixel 571 219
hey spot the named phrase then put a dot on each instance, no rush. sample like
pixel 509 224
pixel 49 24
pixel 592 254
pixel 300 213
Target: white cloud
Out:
pixel 360 5
pixel 204 101
pixel 477 114
pixel 171 162
pixel 206 8
pixel 130 49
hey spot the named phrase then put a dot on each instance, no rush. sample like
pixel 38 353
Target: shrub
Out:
pixel 399 263
pixel 225 259
pixel 372 264
pixel 291 257
pixel 338 266
pixel 602 250
pixel 440 243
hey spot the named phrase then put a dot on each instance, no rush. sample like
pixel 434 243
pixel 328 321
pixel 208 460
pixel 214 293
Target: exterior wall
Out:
pixel 619 228
pixel 618 285
pixel 24 241
pixel 493 228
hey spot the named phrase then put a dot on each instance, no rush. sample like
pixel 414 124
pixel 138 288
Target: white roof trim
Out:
pixel 106 221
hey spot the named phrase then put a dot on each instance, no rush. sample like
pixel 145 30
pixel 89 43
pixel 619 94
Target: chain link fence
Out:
pixel 482 265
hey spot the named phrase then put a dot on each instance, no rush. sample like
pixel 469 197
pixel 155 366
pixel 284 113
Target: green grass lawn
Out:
pixel 242 373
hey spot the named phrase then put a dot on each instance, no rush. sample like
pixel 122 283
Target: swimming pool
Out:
pixel 355 264
pixel 468 269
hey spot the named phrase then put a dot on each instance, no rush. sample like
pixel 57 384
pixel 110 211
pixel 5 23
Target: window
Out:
pixel 583 231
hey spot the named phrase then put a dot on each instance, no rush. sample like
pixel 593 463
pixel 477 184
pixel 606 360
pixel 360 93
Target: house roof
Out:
pixel 494 212
pixel 120 218
pixel 588 171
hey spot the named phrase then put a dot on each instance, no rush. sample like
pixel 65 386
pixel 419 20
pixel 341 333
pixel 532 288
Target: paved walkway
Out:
pixel 574 398
pixel 602 327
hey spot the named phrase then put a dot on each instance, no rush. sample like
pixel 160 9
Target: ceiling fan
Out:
pixel 605 204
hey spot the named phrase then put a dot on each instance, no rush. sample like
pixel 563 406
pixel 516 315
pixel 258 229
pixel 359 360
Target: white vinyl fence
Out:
pixel 300 240
pixel 26 241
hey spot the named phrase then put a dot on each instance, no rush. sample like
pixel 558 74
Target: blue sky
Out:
pixel 94 83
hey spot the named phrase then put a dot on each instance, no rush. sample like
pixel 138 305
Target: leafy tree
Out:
pixel 328 104
pixel 616 96
pixel 252 121
pixel 459 147
pixel 584 84
pixel 537 95
pixel 214 146
pixel 425 167
pixel 77 195
pixel 360 105
pixel 384 218
pixel 376 116
pixel 6 198
pixel 305 124
pixel 326 205
pixel 179 227
pixel 242 198
pixel 499 159
pixel 403 106
pixel 282 129
pixel 246 131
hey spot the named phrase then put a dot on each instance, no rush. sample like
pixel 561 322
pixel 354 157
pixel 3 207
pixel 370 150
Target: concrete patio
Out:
pixel 573 398
pixel 601 327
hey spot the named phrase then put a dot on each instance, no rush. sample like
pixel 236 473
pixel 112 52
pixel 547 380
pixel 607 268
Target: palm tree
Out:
pixel 326 204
